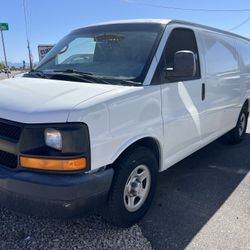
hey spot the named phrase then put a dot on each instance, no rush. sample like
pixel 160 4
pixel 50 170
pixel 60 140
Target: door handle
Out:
pixel 203 91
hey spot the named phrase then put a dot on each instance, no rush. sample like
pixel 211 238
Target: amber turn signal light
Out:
pixel 53 164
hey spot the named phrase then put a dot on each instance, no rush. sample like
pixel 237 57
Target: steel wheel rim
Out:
pixel 137 188
pixel 242 124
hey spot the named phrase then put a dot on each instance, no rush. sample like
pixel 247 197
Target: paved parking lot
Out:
pixel 13 73
pixel 202 203
pixel 3 76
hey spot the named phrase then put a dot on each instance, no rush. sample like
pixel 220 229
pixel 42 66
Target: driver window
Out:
pixel 180 39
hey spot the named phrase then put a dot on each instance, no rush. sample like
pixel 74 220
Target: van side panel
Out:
pixel 243 49
pixel 223 81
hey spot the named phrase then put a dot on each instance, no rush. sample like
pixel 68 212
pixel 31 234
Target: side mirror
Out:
pixel 184 65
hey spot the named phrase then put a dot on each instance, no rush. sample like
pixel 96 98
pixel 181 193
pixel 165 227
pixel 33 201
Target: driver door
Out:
pixel 181 98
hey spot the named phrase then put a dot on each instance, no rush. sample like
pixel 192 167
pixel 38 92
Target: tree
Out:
pixel 2 66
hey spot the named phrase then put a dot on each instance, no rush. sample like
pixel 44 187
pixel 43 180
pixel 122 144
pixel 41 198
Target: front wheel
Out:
pixel 133 187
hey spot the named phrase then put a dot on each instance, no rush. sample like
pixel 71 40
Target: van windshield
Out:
pixel 114 52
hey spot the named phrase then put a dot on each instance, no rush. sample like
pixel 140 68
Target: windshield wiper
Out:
pixel 82 76
pixel 129 83
pixel 37 74
pixel 72 71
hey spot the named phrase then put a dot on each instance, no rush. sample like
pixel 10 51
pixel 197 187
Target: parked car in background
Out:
pixel 7 71
pixel 82 134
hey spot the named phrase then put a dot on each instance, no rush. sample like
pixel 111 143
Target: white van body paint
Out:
pixel 173 114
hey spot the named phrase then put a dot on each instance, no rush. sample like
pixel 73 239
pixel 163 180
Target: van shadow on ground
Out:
pixel 190 192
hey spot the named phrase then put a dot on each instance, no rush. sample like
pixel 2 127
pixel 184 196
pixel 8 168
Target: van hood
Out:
pixel 33 100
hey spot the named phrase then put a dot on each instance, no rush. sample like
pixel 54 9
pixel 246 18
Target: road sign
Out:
pixel 43 50
pixel 4 26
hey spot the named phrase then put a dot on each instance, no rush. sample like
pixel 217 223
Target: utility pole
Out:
pixel 25 11
pixel 30 56
pixel 4 26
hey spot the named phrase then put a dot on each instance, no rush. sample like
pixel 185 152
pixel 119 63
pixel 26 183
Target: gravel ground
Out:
pixel 25 232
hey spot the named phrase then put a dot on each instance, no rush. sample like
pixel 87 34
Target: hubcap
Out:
pixel 242 124
pixel 137 188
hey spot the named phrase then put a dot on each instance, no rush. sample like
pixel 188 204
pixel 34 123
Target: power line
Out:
pixel 184 9
pixel 240 24
pixel 25 12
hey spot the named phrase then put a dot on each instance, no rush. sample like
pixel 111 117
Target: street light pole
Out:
pixel 4 51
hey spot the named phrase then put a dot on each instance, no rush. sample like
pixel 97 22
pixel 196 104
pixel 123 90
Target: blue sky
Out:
pixel 50 20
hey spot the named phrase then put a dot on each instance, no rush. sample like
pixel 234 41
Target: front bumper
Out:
pixel 54 195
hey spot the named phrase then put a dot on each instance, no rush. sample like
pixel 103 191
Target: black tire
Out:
pixel 118 214
pixel 237 134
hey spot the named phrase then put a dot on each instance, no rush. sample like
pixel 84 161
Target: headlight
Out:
pixel 53 138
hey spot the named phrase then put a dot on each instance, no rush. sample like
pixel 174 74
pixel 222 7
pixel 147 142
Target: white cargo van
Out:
pixel 76 134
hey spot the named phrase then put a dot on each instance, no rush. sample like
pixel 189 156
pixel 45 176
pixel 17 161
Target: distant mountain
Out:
pixel 13 64
pixel 17 65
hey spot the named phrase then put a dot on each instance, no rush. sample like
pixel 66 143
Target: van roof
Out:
pixel 153 20
pixel 168 21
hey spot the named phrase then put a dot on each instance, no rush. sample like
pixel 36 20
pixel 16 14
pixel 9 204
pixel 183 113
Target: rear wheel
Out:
pixel 133 187
pixel 237 134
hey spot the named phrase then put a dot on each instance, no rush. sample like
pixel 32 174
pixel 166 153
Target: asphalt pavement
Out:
pixel 13 73
pixel 203 202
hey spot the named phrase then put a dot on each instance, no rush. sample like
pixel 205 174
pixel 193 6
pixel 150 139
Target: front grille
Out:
pixel 8 160
pixel 10 131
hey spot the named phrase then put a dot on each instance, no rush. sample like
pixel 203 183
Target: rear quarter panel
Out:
pixel 224 89
pixel 243 49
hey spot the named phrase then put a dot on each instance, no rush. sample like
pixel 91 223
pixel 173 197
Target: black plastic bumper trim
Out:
pixel 54 195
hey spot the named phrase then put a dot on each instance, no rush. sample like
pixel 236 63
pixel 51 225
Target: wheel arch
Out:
pixel 149 142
